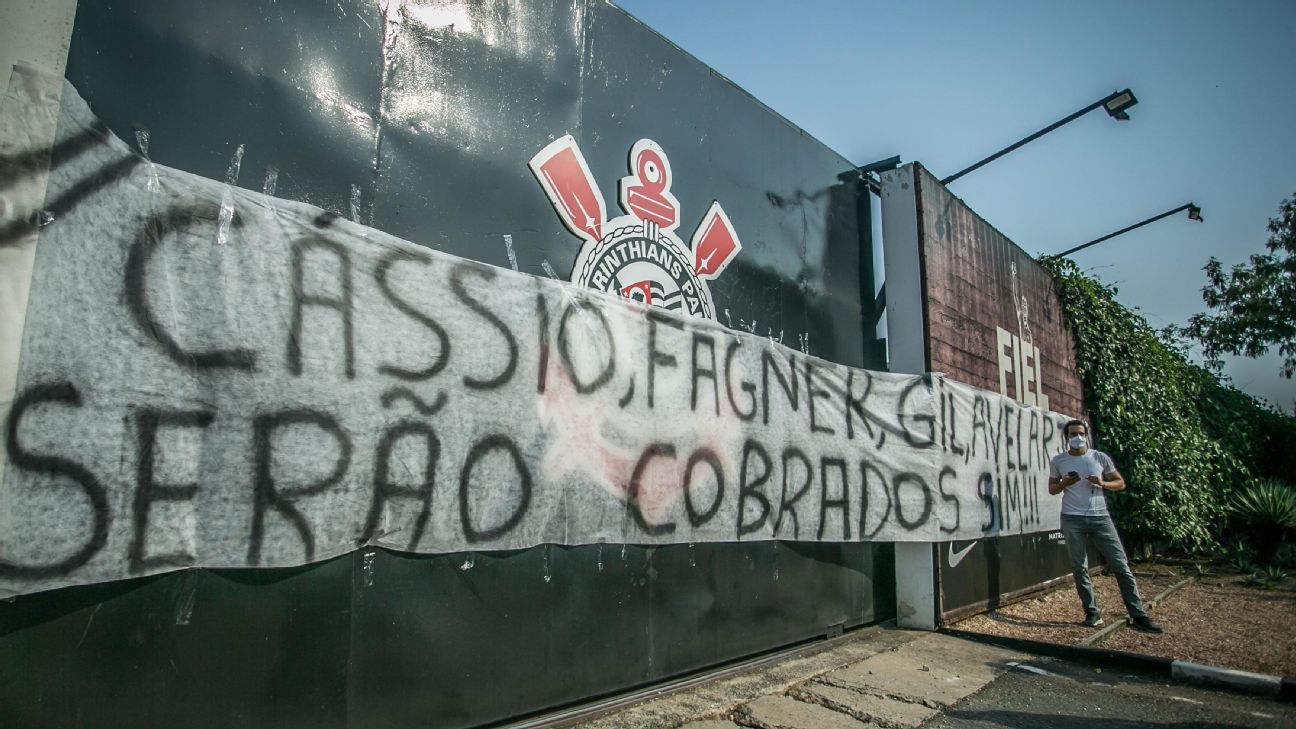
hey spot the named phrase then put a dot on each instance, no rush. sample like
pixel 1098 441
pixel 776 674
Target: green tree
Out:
pixel 1185 440
pixel 1253 305
pixel 1146 402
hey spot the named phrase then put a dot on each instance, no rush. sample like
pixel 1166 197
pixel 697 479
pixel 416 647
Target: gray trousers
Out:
pixel 1080 531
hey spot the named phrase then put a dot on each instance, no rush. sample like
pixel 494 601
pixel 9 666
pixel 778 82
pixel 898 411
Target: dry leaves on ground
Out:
pixel 1215 620
pixel 1223 623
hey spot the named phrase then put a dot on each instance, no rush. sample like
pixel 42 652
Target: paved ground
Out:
pixel 1078 696
pixel 895 678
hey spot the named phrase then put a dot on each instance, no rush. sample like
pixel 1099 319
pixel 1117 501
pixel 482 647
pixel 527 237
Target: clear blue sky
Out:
pixel 947 83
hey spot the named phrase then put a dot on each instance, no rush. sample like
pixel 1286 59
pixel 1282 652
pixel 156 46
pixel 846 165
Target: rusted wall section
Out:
pixel 985 295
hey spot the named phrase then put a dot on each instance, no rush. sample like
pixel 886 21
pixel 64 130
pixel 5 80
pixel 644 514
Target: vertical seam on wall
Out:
pixel 936 606
pixel 867 277
pixel 922 264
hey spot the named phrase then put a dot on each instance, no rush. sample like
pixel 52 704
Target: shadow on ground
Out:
pixel 1024 720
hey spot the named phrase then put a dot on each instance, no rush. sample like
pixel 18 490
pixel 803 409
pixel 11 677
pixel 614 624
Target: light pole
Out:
pixel 1114 103
pixel 1194 213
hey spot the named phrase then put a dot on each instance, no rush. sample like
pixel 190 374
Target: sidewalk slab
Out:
pixel 783 712
pixel 866 707
pixel 718 698
pixel 935 670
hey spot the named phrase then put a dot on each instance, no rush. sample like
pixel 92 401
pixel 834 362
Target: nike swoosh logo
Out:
pixel 956 557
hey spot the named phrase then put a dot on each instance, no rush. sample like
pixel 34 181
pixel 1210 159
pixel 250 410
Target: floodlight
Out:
pixel 1117 103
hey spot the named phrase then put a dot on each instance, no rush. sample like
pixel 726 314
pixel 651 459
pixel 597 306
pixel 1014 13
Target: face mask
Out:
pixel 1077 442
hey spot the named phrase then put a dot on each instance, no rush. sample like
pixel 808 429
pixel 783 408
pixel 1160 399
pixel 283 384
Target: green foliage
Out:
pixel 1240 556
pixel 1241 565
pixel 1266 579
pixel 1286 555
pixel 1253 305
pixel 1184 440
pixel 1266 502
pixel 1268 508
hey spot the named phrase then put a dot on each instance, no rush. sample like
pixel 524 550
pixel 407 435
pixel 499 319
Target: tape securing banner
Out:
pixel 302 385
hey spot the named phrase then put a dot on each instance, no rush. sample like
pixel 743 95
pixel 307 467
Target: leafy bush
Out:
pixel 1266 502
pixel 1266 579
pixel 1239 556
pixel 1286 555
pixel 1184 440
pixel 1268 507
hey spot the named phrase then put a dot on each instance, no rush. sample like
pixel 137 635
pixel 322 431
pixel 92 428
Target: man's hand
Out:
pixel 1057 485
pixel 1096 481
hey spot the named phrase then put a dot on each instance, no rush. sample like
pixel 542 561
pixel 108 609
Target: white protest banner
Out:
pixel 210 377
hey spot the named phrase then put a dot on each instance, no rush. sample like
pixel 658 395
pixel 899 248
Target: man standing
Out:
pixel 1081 475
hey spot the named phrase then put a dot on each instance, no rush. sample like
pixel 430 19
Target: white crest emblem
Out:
pixel 637 255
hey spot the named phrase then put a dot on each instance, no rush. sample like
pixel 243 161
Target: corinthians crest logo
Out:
pixel 637 255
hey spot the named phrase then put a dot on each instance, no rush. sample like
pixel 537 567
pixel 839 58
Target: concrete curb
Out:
pixel 1282 688
pixel 1252 683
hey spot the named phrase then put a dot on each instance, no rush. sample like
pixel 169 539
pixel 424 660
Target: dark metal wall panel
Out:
pixel 997 570
pixel 796 215
pixel 469 97
pixel 297 83
pixel 432 120
pixel 377 639
pixel 498 640
pixel 205 648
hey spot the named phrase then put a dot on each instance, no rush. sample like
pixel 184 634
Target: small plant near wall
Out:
pixel 1286 556
pixel 1240 557
pixel 1267 578
pixel 1267 507
pixel 1185 441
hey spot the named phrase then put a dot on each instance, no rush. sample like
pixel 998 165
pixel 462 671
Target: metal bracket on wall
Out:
pixel 870 172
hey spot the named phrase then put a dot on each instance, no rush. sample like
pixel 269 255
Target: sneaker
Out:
pixel 1145 625
pixel 1093 621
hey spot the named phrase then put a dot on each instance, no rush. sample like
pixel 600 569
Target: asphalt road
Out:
pixel 1072 696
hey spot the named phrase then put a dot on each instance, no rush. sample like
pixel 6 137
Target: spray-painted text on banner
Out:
pixel 214 377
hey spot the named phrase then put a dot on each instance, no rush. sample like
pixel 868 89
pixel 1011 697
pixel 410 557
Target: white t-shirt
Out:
pixel 1083 498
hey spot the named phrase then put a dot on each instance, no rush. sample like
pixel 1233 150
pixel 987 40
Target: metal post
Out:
pixel 1122 231
pixel 1097 104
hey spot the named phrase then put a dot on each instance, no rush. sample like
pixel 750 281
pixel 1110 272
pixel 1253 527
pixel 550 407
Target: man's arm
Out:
pixel 1110 481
